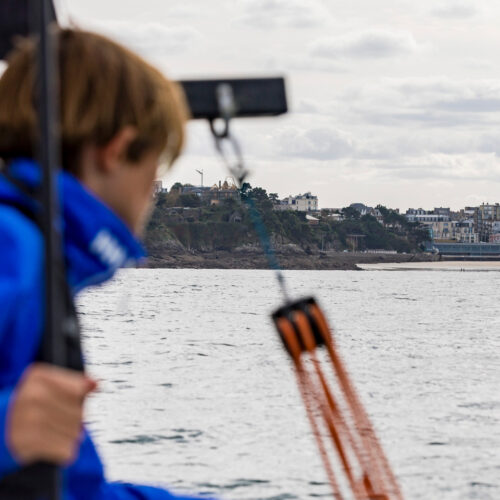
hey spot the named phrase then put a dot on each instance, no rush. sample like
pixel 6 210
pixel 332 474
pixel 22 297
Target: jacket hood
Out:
pixel 96 241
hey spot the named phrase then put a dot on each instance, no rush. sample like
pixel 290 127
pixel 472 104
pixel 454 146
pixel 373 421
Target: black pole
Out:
pixel 53 347
pixel 42 481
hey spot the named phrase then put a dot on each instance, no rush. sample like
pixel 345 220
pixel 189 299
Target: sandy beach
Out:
pixel 433 266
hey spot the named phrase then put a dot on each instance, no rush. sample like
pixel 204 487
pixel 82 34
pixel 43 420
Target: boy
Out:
pixel 119 118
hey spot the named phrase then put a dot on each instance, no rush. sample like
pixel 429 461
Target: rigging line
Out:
pixel 376 456
pixel 379 464
pixel 333 419
pixel 310 399
pixel 239 172
pixel 308 396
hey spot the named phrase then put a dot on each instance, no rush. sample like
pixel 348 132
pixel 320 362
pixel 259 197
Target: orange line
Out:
pixel 303 386
pixel 382 473
pixel 352 434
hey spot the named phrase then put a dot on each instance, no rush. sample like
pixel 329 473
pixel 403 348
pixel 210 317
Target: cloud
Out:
pixel 319 143
pixel 288 13
pixel 490 143
pixel 371 44
pixel 308 106
pixel 183 11
pixel 462 95
pixel 302 61
pixel 429 102
pixel 410 122
pixel 450 168
pixel 429 168
pixel 455 10
pixel 479 64
pixel 470 105
pixel 151 39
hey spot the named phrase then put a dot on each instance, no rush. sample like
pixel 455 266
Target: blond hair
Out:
pixel 104 87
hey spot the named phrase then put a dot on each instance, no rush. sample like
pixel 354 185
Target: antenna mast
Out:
pixel 201 173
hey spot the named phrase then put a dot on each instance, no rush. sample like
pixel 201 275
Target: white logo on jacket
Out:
pixel 107 248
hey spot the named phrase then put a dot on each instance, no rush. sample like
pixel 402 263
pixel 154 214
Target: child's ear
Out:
pixel 112 155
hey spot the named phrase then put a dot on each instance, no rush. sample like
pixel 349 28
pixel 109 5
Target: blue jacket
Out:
pixel 96 244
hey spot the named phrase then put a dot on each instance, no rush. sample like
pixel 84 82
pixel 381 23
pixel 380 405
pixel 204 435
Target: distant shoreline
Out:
pixel 254 259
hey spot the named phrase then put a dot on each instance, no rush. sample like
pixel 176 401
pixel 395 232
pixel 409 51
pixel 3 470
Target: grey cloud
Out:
pixel 471 105
pixel 426 168
pixel 308 106
pixel 371 44
pixel 183 11
pixel 320 143
pixel 391 119
pixel 151 39
pixel 289 13
pixel 435 166
pixel 423 118
pixel 304 62
pixel 428 102
pixel 479 64
pixel 455 10
pixel 465 98
pixel 490 144
pixel 414 145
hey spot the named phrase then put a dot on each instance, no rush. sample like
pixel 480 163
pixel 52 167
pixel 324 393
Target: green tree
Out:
pixel 259 194
pixel 177 187
pixel 245 190
pixel 350 213
pixel 189 200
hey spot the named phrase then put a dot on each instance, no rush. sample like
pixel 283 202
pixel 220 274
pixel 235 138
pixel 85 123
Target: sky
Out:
pixel 394 102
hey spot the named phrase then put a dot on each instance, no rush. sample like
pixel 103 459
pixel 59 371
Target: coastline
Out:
pixel 443 265
pixel 289 258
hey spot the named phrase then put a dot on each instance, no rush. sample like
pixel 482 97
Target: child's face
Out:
pixel 126 187
pixel 134 183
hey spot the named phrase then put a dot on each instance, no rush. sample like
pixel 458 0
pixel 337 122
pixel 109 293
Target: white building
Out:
pixel 301 203
pixel 412 213
pixel 462 231
pixel 465 231
pixel 428 218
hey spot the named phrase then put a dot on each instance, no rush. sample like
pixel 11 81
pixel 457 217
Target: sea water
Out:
pixel 197 394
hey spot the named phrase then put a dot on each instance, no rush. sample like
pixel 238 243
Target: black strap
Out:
pixel 35 481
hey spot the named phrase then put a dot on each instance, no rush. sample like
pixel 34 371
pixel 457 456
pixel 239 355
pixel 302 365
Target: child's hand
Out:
pixel 45 419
